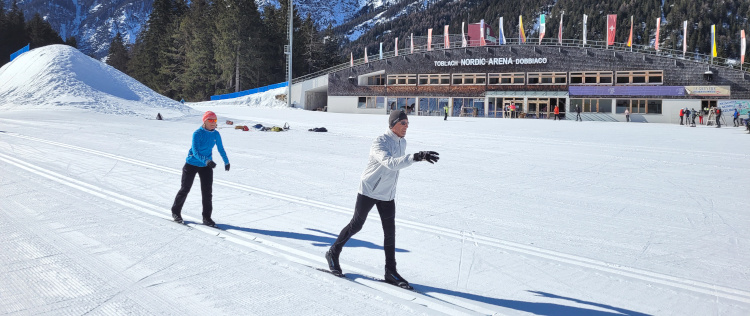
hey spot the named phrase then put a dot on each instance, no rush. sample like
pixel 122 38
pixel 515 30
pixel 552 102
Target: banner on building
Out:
pixel 708 91
pixel 501 35
pixel 728 106
pixel 429 39
pixel 626 91
pixel 542 27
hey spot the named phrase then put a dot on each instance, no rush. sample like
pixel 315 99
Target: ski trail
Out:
pixel 456 307
pixel 644 275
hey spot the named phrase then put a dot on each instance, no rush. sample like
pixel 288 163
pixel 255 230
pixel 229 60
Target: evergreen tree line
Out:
pixel 194 49
pixel 729 16
pixel 16 32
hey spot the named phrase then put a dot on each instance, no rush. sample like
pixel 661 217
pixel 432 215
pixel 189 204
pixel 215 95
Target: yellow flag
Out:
pixel 713 40
pixel 521 32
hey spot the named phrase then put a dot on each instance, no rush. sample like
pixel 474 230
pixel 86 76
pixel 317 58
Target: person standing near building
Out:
pixel 718 117
pixel 512 109
pixel 694 113
pixel 700 117
pixel 445 108
pixel 557 112
pixel 682 112
pixel 378 188
pixel 736 117
pixel 578 113
pixel 687 117
pixel 627 115
pixel 199 160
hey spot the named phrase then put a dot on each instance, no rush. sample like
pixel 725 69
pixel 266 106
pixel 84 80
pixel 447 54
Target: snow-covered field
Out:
pixel 518 216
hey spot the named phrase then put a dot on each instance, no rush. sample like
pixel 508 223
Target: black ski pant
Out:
pixel 387 210
pixel 578 117
pixel 681 120
pixel 446 116
pixel 207 180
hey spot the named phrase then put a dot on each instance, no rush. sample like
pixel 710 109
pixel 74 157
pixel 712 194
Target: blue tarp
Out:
pixel 19 52
pixel 248 92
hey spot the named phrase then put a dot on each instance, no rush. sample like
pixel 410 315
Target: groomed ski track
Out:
pixel 435 302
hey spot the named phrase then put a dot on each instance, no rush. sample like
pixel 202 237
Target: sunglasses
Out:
pixel 211 120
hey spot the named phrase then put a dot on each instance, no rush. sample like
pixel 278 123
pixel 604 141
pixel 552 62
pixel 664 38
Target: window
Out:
pixel 371 102
pixel 378 80
pixel 437 79
pixel 546 78
pixel 640 77
pixel 593 105
pixel 591 77
pixel 507 78
pixel 641 106
pixel 469 79
pixel 402 80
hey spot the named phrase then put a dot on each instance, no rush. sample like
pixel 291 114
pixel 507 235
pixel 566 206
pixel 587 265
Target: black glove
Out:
pixel 211 164
pixel 430 156
pixel 226 167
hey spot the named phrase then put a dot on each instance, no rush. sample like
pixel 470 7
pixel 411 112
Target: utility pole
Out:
pixel 288 51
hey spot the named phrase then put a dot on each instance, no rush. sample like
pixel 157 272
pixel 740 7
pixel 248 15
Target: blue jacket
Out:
pixel 203 146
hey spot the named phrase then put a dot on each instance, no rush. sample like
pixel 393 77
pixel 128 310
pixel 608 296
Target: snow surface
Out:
pixel 518 217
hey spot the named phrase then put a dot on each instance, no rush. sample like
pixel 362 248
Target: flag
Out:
pixel 684 38
pixel 713 41
pixel 429 39
pixel 351 60
pixel 656 42
pixel 501 35
pixel 585 17
pixel 411 37
pixel 367 61
pixel 396 49
pixel 463 36
pixel 446 39
pixel 521 33
pixel 742 47
pixel 542 27
pixel 611 26
pixel 481 33
pixel 630 38
pixel 381 50
pixel 559 33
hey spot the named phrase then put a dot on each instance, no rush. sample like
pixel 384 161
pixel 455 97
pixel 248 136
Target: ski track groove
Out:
pixel 644 275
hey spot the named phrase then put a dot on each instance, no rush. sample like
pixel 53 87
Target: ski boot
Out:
pixel 209 222
pixel 333 263
pixel 177 218
pixel 392 277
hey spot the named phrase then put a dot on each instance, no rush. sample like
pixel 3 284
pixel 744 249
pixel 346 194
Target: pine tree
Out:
pixel 198 82
pixel 237 56
pixel 71 41
pixel 40 32
pixel 118 54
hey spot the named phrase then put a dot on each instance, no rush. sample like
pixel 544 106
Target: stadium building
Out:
pixel 484 81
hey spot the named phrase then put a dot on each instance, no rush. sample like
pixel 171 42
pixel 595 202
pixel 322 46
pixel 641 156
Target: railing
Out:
pixel 248 92
pixel 547 42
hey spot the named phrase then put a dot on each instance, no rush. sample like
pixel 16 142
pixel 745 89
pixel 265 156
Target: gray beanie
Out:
pixel 395 117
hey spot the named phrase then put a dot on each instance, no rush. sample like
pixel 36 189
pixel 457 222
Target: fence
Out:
pixel 455 43
pixel 248 92
pixel 19 52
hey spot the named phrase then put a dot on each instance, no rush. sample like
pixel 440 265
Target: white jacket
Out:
pixel 387 157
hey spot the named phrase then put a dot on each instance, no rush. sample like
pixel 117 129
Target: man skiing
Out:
pixel 578 113
pixel 378 188
pixel 199 161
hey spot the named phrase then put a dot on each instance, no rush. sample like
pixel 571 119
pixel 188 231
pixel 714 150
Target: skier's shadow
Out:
pixel 537 308
pixel 317 240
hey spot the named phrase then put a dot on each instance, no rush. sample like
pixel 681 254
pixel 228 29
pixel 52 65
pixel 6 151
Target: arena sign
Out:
pixel 490 62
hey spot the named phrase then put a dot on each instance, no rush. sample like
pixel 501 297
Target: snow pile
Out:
pixel 266 99
pixel 59 75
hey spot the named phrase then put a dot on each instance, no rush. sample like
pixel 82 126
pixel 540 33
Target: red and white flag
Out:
pixel 482 42
pixel 446 39
pixel 611 27
pixel 559 32
pixel 742 47
pixel 429 39
pixel 351 60
pixel 656 42
pixel 411 38
pixel 396 49
pixel 366 55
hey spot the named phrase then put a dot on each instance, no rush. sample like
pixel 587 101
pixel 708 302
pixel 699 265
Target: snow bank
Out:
pixel 259 100
pixel 61 76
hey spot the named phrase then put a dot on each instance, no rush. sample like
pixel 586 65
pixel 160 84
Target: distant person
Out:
pixel 736 117
pixel 687 117
pixel 557 112
pixel 378 188
pixel 445 108
pixel 718 117
pixel 578 113
pixel 199 160
pixel 682 112
pixel 627 115
pixel 700 117
pixel 513 110
pixel 182 101
pixel 694 113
